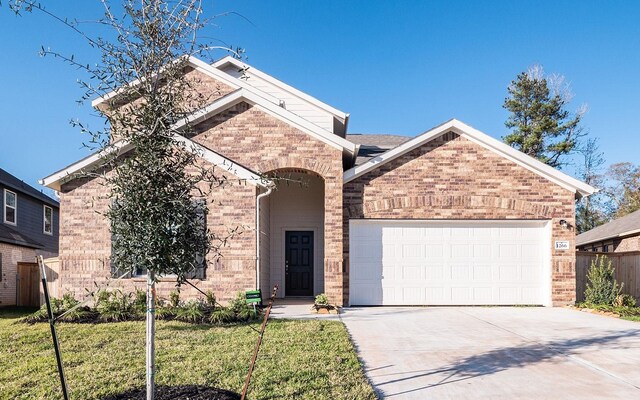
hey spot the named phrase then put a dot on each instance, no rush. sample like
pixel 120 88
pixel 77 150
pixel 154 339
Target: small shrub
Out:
pixel 116 306
pixel 68 302
pixel 624 300
pixel 242 310
pixel 322 300
pixel 221 315
pixel 192 311
pixel 42 315
pixel 602 287
pixel 165 312
pixel 210 298
pixel 140 301
pixel 174 299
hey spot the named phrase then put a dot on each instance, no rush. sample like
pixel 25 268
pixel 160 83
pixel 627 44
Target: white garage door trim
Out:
pixel 449 262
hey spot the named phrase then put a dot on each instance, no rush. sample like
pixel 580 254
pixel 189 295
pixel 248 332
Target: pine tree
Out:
pixel 542 127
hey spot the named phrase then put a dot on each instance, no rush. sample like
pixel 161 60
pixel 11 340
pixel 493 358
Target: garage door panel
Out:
pixel 482 273
pixel 447 263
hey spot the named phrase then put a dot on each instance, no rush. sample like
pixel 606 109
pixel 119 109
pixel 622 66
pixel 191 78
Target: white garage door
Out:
pixel 448 262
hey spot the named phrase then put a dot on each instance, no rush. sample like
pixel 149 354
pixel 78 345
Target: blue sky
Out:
pixel 397 67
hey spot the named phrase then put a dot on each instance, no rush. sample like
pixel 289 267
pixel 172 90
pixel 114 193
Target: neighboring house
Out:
pixel 451 216
pixel 28 227
pixel 622 234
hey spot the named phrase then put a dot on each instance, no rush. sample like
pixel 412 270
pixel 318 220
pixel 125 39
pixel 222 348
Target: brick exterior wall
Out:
pixel 448 178
pixel 454 178
pixel 240 134
pixel 617 245
pixel 263 143
pixel 85 242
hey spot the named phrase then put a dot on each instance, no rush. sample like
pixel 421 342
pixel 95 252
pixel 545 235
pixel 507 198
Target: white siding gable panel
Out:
pixel 293 103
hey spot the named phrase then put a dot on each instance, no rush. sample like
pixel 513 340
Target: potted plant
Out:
pixel 321 305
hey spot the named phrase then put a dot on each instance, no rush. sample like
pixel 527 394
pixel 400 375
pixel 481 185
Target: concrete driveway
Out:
pixel 496 353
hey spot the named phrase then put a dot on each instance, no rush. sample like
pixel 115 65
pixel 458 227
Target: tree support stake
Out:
pixel 52 322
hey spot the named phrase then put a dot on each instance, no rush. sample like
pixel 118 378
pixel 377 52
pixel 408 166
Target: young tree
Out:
pixel 624 189
pixel 542 127
pixel 590 210
pixel 155 222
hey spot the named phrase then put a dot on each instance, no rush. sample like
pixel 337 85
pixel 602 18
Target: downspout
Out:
pixel 258 198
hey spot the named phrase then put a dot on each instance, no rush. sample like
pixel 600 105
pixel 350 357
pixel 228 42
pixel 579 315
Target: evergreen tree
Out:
pixel 542 127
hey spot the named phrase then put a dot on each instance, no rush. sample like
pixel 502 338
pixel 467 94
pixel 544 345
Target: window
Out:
pixel 10 205
pixel 200 259
pixel 48 220
pixel 606 248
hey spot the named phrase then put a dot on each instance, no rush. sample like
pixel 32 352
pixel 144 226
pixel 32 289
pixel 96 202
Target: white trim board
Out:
pixel 55 180
pixel 484 140
pixel 221 104
pixel 204 68
pixel 278 83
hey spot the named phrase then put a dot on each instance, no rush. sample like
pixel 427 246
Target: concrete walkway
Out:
pixel 496 353
pixel 297 308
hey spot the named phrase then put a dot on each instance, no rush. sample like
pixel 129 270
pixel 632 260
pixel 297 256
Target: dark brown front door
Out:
pixel 299 263
pixel 28 285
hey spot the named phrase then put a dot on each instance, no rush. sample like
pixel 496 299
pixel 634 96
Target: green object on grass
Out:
pixel 253 296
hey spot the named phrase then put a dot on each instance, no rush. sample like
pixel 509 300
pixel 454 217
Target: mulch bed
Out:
pixel 187 392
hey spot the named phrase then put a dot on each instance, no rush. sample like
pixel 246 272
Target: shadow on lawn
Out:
pixel 13 312
pixel 502 359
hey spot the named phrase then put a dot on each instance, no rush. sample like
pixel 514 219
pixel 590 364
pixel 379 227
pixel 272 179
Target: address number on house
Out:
pixel 562 245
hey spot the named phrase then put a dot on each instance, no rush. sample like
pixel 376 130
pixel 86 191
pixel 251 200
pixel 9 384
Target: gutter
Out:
pixel 258 198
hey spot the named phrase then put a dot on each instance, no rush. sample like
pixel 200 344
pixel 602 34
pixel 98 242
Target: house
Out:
pixel 29 227
pixel 452 216
pixel 619 235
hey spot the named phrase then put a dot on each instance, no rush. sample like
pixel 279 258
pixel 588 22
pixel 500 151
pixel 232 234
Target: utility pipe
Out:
pixel 258 198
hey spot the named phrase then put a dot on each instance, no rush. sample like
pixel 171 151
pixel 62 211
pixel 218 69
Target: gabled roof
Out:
pixel 253 70
pixel 95 160
pixel 16 184
pixel 12 236
pixel 268 103
pixel 243 95
pixel 484 140
pixel 205 68
pixel 625 226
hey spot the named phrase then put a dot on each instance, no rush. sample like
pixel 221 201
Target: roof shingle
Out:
pixel 615 228
pixel 372 145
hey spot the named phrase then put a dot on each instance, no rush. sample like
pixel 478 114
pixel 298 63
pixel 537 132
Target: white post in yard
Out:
pixel 151 314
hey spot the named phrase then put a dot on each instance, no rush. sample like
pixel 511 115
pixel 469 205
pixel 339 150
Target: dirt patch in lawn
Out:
pixel 188 392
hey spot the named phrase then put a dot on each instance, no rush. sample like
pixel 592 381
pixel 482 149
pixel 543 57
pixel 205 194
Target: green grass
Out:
pixel 625 312
pixel 298 359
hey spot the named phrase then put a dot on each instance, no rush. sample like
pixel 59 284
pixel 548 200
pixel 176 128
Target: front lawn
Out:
pixel 298 359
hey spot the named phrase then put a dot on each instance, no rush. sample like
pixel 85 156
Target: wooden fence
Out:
pixel 627 271
pixel 52 269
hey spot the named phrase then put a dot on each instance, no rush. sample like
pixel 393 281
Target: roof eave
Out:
pixel 600 239
pixel 318 103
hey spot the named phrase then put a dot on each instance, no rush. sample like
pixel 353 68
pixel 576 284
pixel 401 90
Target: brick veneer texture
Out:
pixel 248 136
pixel 453 178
